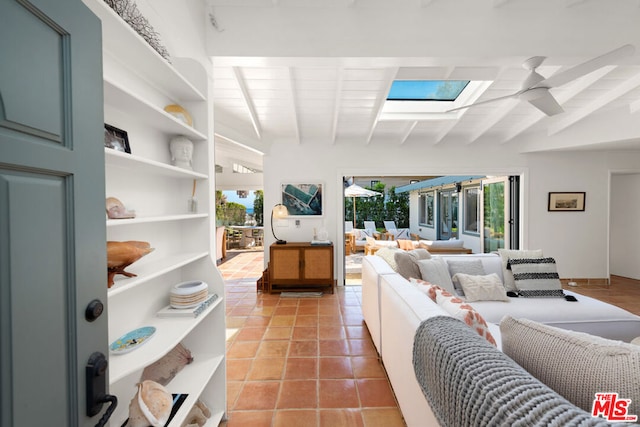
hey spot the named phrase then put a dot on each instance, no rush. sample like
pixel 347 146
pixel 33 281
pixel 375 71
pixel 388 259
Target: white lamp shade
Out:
pixel 280 211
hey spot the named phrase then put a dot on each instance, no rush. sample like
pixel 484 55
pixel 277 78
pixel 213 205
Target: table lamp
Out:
pixel 279 211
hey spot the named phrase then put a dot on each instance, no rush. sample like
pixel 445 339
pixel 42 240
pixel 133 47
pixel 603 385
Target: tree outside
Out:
pixel 390 206
pixel 258 208
pixel 229 213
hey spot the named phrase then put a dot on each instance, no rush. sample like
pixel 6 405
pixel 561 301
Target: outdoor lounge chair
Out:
pixel 395 232
pixel 371 226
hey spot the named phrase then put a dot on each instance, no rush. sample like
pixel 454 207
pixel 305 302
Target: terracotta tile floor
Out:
pixel 623 292
pixel 298 362
pixel 310 361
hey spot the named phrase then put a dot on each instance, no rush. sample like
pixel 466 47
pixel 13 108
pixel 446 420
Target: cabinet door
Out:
pixel 317 263
pixel 285 264
pixel 52 231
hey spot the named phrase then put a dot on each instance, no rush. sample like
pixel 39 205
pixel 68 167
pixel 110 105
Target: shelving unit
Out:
pixel 138 84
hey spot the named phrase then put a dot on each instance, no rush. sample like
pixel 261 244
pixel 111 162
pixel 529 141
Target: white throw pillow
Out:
pixel 388 254
pixel 436 271
pixel 482 288
pixel 473 267
pixel 505 254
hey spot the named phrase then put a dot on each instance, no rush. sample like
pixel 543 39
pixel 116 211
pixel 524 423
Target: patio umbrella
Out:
pixel 354 191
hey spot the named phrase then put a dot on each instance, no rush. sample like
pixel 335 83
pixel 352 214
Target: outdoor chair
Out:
pixel 371 226
pixel 395 232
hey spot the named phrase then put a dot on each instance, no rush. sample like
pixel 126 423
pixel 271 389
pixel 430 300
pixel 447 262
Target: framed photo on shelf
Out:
pixel 116 139
pixel 566 202
pixel 303 199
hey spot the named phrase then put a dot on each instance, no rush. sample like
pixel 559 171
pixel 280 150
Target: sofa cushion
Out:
pixel 435 271
pixel 507 254
pixel 574 364
pixel 405 244
pixel 481 287
pixel 457 308
pixel 536 277
pixel 406 262
pixel 442 244
pixel 388 254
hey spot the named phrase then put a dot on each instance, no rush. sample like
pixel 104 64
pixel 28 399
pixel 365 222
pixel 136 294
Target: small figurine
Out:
pixel 116 209
pixel 120 255
pixel 181 152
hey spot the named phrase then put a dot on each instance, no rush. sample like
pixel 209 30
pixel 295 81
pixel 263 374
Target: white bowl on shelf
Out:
pixel 188 294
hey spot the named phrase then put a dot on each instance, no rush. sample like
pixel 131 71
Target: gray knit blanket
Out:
pixel 470 383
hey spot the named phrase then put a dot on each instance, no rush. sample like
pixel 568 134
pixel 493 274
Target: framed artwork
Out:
pixel 566 202
pixel 303 199
pixel 116 139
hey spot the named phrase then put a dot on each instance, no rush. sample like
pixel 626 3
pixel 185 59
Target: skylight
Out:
pixel 426 90
pixel 414 100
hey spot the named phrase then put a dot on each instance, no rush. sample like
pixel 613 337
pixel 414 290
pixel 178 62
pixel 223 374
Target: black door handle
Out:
pixel 96 378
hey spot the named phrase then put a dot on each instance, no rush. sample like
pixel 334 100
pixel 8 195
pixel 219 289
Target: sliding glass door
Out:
pixel 448 214
pixel 495 205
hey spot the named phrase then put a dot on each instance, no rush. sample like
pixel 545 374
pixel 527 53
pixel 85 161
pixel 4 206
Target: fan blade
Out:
pixel 513 95
pixel 585 68
pixel 542 99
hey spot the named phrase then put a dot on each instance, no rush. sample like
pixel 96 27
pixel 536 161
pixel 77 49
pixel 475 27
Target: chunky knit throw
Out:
pixel 468 382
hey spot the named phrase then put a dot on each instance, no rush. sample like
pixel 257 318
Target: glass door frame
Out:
pixel 506 238
pixel 452 213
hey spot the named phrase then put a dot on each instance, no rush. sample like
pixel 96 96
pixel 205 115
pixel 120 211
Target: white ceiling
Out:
pixel 313 86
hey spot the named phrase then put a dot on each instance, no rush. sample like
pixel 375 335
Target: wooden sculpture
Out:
pixel 120 255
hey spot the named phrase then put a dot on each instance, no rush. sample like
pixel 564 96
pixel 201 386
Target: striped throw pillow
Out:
pixel 536 277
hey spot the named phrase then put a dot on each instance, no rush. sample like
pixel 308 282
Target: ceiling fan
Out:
pixel 535 88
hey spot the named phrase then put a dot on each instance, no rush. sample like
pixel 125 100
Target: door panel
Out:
pixel 41 43
pixel 52 217
pixel 34 292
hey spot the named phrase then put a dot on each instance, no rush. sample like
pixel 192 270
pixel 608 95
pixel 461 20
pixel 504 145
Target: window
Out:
pixel 425 209
pixel 426 90
pixel 471 210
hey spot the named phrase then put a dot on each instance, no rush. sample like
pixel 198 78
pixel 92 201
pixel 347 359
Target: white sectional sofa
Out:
pixel 393 309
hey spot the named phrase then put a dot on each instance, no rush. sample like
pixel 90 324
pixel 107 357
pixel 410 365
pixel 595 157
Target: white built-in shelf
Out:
pixel 133 105
pixel 140 57
pixel 159 218
pixel 169 333
pixel 124 160
pixel 191 380
pixel 150 270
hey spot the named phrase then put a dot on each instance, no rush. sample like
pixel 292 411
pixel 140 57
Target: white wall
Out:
pixel 625 226
pixel 576 239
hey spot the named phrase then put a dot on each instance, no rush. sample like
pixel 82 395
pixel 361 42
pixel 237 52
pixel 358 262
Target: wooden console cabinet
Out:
pixel 300 266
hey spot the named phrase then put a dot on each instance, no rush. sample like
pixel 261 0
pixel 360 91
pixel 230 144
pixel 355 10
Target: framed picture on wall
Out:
pixel 566 202
pixel 116 139
pixel 303 199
